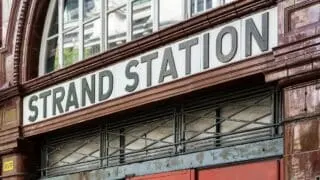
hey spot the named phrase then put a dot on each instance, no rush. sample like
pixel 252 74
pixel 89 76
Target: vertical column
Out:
pixel 13 164
pixel 298 30
pixel 302 131
pixel 1 30
pixel 13 167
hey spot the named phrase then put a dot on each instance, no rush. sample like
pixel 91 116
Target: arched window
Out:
pixel 78 29
pixel 5 8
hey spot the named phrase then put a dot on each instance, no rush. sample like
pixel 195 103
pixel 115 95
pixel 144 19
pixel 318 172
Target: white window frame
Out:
pixel 44 39
pixel 196 12
pixel 104 12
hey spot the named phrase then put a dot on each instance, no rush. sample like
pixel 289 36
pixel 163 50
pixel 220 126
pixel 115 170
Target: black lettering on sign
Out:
pixel 88 90
pixel 57 100
pixel 33 108
pixel 44 97
pixel 102 75
pixel 132 75
pixel 252 31
pixel 72 98
pixel 187 45
pixel 168 66
pixel 148 59
pixel 206 44
pixel 234 44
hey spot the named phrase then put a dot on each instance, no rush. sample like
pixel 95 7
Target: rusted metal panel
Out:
pixel 302 136
pixel 184 174
pixel 295 102
pixel 306 136
pixel 268 170
pixel 288 136
pixel 303 165
pixel 302 154
pixel 313 98
pixel 303 100
pixel 263 149
pixel 304 15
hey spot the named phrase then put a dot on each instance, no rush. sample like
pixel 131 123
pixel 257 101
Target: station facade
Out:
pixel 160 89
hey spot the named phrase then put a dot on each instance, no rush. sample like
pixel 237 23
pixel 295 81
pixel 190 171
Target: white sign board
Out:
pixel 213 48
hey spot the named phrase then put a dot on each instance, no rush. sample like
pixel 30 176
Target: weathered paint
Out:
pixel 302 145
pixel 184 174
pixel 301 101
pixel 268 170
pixel 244 152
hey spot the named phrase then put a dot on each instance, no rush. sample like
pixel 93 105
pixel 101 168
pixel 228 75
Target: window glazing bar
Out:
pixel 52 37
pixel 129 20
pixel 195 8
pixel 81 25
pixel 104 23
pixel 69 29
pixel 185 9
pixel 116 8
pixel 155 14
pixel 91 19
pixel 60 22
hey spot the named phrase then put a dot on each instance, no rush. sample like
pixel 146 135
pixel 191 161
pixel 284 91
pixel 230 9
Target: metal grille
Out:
pixel 201 126
pixel 82 149
pixel 200 123
pixel 143 138
pixel 228 120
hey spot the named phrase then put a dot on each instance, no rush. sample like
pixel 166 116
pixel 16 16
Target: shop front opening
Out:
pixel 206 123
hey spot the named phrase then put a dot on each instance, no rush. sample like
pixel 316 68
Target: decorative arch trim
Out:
pixel 30 49
pixel 6 45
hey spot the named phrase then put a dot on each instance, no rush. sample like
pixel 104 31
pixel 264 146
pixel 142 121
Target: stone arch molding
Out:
pixel 30 23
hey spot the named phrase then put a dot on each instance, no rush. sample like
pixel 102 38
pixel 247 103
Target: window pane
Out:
pixel 113 147
pixel 52 62
pixel 193 7
pixel 246 115
pixel 6 9
pixel 171 12
pixel 208 4
pixel 91 8
pixel 149 139
pixel 70 48
pixel 83 151
pixel 54 22
pixel 200 125
pixel 70 14
pixel 228 1
pixel 200 4
pixel 213 4
pixel 92 38
pixel 117 27
pixel 140 139
pixel 112 4
pixel 141 18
